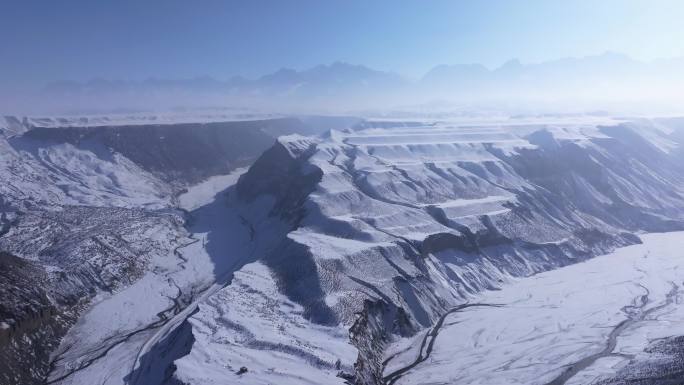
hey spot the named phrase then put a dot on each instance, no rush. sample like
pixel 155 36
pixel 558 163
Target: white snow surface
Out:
pixel 205 192
pixel 548 321
pixel 251 324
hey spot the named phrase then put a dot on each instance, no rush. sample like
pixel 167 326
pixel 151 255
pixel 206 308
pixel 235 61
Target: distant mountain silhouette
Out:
pixel 326 79
pixel 609 76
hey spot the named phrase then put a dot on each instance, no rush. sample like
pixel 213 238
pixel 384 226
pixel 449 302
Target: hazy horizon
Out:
pixel 608 81
pixel 77 55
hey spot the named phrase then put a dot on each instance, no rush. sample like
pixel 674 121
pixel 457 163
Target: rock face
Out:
pixel 32 321
pixel 85 210
pixel 383 228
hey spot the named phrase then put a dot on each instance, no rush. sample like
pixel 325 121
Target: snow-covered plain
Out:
pixel 550 321
pixel 205 192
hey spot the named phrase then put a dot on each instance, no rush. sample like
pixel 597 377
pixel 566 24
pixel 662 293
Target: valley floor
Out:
pixel 575 325
pixel 109 343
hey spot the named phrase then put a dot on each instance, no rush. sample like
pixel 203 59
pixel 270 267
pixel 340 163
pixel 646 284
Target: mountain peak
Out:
pixel 511 65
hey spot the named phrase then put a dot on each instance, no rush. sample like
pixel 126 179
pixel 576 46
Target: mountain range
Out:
pixel 335 250
pixel 608 79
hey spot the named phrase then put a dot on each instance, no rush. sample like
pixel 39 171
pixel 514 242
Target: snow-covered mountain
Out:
pixel 182 254
pixel 382 229
pixel 88 210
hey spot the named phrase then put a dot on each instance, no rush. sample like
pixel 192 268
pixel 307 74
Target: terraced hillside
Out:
pixel 381 230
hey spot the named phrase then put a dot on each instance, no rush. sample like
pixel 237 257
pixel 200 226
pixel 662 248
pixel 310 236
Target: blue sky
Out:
pixel 48 40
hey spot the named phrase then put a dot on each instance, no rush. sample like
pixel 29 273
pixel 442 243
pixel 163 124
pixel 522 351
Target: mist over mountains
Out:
pixel 608 81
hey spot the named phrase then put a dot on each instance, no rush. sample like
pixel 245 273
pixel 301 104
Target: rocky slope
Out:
pixel 32 322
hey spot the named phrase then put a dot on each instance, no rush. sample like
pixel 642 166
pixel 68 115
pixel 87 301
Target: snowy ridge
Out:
pixel 383 228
